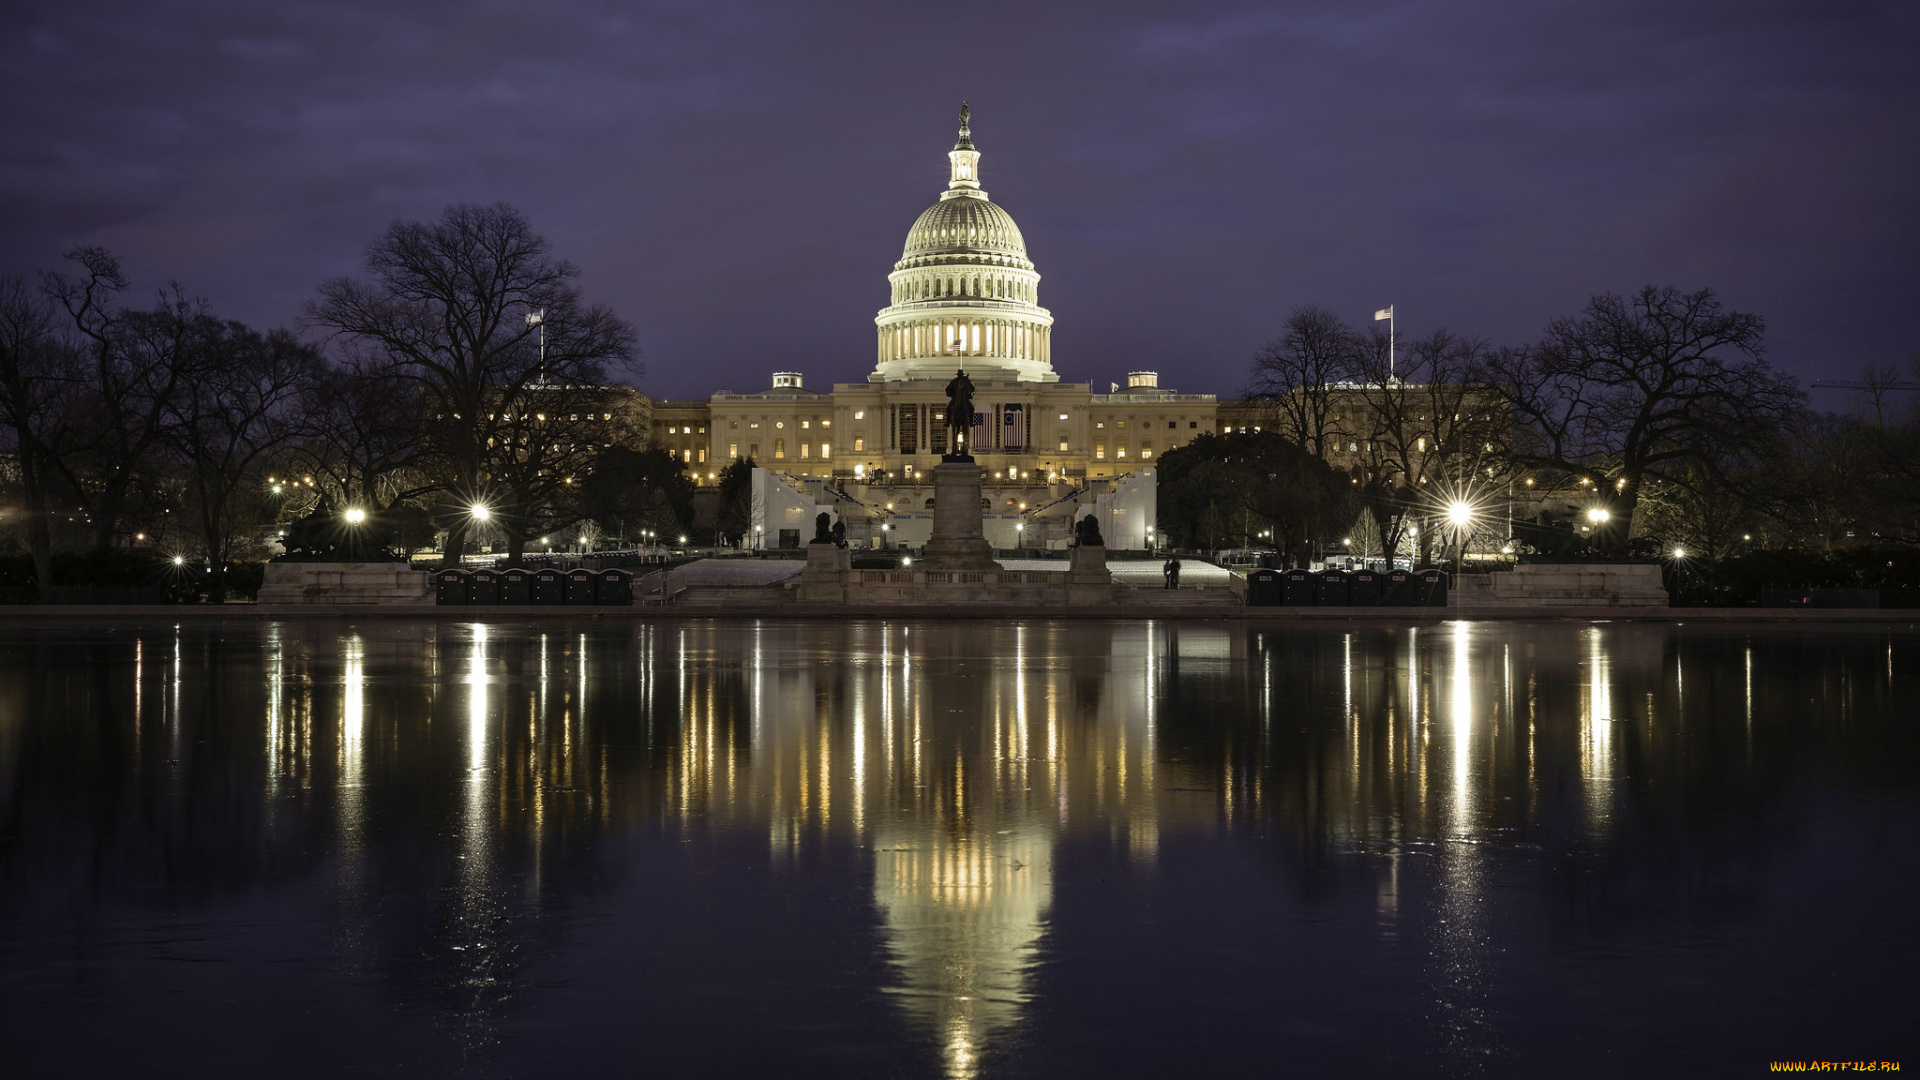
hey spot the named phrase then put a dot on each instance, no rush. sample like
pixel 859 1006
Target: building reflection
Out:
pixel 453 782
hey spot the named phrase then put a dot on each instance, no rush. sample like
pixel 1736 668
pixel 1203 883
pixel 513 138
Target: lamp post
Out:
pixel 1460 519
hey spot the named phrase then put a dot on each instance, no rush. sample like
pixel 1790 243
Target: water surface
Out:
pixel 391 848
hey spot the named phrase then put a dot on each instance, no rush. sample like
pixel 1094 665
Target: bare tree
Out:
pixel 37 383
pixel 1434 434
pixel 1295 378
pixel 548 440
pixel 450 305
pixel 363 435
pixel 1636 386
pixel 132 367
pixel 229 421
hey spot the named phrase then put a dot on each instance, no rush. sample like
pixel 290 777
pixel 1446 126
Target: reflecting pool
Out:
pixel 959 849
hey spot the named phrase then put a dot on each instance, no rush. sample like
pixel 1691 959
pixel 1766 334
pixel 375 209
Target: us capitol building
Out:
pixel 964 295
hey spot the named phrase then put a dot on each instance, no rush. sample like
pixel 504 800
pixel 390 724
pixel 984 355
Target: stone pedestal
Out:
pixel 1088 579
pixel 825 578
pixel 345 583
pixel 958 542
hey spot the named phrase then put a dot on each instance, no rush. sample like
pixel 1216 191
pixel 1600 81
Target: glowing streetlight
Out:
pixel 479 512
pixel 1598 515
pixel 1459 514
pixel 179 560
pixel 1679 553
pixel 356 516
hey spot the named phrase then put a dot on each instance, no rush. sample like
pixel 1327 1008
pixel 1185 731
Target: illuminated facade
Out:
pixel 963 294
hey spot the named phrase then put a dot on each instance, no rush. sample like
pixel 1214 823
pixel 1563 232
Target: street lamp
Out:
pixel 479 512
pixel 356 515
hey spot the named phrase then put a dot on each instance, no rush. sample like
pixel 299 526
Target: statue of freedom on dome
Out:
pixel 959 417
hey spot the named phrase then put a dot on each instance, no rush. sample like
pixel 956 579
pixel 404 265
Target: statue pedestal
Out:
pixel 958 542
pixel 825 578
pixel 1088 579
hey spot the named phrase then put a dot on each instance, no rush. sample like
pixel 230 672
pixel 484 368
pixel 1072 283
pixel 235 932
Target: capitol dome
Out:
pixel 973 226
pixel 964 292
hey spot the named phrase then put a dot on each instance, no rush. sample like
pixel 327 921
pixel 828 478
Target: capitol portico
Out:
pixel 964 294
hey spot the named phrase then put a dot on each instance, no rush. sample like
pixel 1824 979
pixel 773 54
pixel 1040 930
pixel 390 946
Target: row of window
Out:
pixel 780 450
pixel 975 285
pixel 734 425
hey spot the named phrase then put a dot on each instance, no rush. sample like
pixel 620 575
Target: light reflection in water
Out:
pixel 1596 729
pixel 961 766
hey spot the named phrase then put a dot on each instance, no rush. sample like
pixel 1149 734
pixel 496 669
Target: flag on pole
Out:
pixel 1383 314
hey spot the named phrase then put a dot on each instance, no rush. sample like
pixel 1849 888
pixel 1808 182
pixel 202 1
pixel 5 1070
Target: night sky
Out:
pixel 736 179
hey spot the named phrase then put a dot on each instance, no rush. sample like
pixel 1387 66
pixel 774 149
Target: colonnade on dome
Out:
pixel 948 338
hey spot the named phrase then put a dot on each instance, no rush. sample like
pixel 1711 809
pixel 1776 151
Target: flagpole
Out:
pixel 1387 314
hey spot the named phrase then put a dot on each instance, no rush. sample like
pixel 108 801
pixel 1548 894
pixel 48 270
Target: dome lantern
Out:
pixel 966 161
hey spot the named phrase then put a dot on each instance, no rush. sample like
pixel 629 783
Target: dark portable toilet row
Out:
pixel 1346 588
pixel 535 588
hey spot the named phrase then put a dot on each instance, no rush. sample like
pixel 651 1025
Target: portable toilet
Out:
pixel 616 587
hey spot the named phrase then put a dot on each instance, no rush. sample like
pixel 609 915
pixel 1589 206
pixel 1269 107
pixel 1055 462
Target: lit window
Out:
pixel 1063 416
pixel 779 449
pixel 755 424
pixel 804 449
pixel 860 414
pixel 804 424
pixel 1120 452
pixel 703 455
pixel 686 455
pixel 826 450
pixel 859 444
pixel 733 449
pixel 780 423
pixel 1120 424
pixel 826 423
pixel 1100 451
pixel 1100 423
pixel 1063 446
